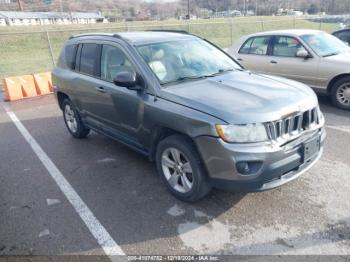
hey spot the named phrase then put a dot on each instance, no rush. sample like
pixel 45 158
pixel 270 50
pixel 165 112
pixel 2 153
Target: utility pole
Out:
pixel 244 13
pixel 70 13
pixel 245 2
pixel 188 9
pixel 20 5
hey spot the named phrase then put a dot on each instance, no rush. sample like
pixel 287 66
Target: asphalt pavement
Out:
pixel 106 193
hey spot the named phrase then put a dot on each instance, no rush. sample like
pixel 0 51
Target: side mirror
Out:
pixel 303 54
pixel 128 80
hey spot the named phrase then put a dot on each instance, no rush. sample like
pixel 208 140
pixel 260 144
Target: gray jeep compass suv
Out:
pixel 191 108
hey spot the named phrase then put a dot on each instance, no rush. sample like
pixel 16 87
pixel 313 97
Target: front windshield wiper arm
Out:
pixel 183 78
pixel 220 71
pixel 331 54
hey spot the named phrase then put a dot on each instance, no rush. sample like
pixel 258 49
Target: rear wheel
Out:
pixel 340 93
pixel 73 121
pixel 181 168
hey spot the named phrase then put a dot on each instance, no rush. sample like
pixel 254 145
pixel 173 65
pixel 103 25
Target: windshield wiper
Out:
pixel 331 54
pixel 220 71
pixel 183 78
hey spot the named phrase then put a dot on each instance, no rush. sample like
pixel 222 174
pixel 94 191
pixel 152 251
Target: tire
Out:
pixel 340 93
pixel 73 121
pixel 183 184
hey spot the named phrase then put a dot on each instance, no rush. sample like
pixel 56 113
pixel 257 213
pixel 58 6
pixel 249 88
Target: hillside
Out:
pixel 167 8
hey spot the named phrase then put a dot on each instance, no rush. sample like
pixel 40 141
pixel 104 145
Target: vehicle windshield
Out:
pixel 185 60
pixel 325 44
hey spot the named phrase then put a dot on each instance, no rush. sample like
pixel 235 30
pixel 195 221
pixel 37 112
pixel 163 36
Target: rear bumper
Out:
pixel 273 165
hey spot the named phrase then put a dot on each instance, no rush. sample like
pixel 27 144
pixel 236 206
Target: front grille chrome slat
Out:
pixel 273 131
pixel 315 116
pixel 292 125
pixel 282 128
pixel 300 123
pixel 309 113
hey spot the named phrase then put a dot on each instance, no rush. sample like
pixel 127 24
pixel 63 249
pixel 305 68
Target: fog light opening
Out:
pixel 248 168
pixel 243 168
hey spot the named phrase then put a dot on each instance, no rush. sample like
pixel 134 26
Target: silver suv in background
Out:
pixel 313 57
pixel 191 108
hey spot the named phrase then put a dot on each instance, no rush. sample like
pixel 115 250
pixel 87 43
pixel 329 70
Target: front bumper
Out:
pixel 276 164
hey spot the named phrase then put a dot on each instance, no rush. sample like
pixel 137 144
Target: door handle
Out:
pixel 273 62
pixel 100 89
pixel 239 59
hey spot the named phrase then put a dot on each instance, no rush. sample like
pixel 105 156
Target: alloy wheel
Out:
pixel 177 170
pixel 70 118
pixel 343 94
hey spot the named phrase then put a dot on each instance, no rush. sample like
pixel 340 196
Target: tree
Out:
pixel 313 9
pixel 132 11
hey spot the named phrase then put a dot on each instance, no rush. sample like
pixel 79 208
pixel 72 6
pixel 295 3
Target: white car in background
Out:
pixel 313 57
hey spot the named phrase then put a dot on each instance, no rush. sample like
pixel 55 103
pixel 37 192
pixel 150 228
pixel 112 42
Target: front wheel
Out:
pixel 181 168
pixel 73 121
pixel 340 93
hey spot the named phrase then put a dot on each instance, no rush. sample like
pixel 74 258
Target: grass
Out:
pixel 25 50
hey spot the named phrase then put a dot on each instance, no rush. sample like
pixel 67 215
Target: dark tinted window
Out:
pixel 256 46
pixel 88 59
pixel 67 58
pixel 343 35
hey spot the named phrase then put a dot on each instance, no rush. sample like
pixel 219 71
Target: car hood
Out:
pixel 241 97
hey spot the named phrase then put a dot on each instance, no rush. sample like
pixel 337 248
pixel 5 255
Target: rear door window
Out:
pixel 256 46
pixel 88 59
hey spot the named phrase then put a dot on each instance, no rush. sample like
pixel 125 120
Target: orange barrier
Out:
pixel 13 84
pixel 19 87
pixel 43 83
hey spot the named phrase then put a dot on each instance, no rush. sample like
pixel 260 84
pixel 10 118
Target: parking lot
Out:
pixel 96 195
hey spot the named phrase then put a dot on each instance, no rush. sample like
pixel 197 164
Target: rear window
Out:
pixel 343 35
pixel 256 46
pixel 67 58
pixel 88 59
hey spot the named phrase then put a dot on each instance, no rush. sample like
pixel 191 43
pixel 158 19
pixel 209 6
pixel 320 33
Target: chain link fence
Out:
pixel 31 52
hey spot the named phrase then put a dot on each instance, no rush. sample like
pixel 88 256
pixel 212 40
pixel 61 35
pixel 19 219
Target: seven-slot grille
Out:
pixel 292 125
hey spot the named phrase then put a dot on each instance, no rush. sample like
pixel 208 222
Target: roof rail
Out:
pixel 96 34
pixel 169 31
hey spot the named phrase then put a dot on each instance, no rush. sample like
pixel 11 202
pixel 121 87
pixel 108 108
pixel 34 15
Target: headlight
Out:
pixel 242 133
